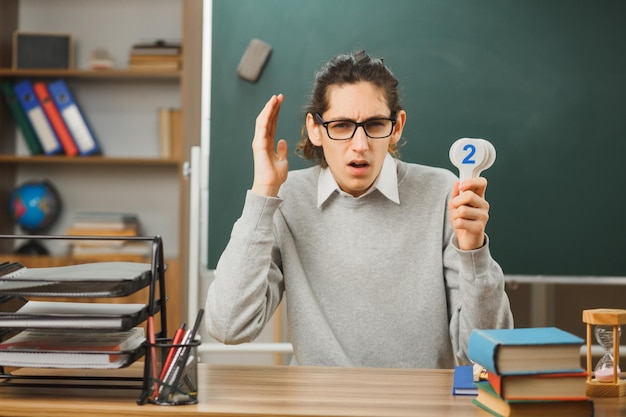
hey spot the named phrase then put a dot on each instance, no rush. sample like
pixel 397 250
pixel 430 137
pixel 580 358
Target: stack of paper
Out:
pixel 54 349
pixel 108 224
pixel 157 55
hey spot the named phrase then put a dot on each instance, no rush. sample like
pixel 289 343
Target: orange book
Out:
pixel 53 115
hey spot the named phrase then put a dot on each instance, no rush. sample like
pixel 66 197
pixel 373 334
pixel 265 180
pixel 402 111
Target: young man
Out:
pixel 382 263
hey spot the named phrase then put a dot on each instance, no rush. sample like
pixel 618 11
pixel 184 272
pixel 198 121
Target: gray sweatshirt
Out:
pixel 367 282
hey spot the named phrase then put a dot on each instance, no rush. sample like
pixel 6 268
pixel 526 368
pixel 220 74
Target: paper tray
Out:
pixel 72 359
pixel 89 288
pixel 74 321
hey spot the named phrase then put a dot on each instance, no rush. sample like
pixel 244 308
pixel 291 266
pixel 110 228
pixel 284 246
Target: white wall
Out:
pixel 122 113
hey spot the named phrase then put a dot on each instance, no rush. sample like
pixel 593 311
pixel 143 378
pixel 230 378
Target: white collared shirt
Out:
pixel 386 183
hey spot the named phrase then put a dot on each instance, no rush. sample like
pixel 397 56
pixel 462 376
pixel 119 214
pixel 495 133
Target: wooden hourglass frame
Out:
pixel 605 317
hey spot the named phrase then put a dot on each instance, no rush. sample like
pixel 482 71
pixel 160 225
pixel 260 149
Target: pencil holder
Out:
pixel 173 372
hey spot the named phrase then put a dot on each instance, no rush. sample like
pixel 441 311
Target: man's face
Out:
pixel 355 163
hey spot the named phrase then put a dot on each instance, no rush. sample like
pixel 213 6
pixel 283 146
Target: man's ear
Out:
pixel 399 126
pixel 313 130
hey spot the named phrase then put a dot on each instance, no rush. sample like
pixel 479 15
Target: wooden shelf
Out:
pixel 84 73
pixel 86 160
pixel 128 96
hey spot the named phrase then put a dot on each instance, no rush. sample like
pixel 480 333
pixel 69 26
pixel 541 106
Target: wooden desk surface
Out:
pixel 227 390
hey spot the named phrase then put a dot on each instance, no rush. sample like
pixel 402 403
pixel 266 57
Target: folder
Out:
pixel 55 119
pixel 21 119
pixel 74 118
pixel 35 113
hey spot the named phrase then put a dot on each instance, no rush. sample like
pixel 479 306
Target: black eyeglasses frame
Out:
pixel 319 120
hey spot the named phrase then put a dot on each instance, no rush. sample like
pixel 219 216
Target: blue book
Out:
pixel 37 117
pixel 463 381
pixel 525 350
pixel 74 118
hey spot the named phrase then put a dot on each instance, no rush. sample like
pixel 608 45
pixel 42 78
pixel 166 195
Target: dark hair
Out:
pixel 347 69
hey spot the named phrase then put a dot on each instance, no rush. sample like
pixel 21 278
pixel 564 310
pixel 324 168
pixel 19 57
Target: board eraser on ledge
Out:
pixel 253 60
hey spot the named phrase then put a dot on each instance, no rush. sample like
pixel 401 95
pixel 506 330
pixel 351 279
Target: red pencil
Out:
pixel 152 339
pixel 178 336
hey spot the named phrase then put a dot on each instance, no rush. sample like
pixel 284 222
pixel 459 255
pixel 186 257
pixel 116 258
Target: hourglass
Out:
pixel 605 380
pixel 605 369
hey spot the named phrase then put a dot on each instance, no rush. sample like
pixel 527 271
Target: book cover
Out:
pixel 155 66
pixel 80 231
pixel 525 350
pixel 105 220
pixel 125 248
pixel 30 137
pixel 463 381
pixel 157 47
pixel 547 386
pixel 55 119
pixel 35 113
pixel 74 118
pixel 164 117
pixel 488 400
pixel 177 133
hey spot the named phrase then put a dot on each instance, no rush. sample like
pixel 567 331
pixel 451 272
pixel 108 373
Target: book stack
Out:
pixel 108 225
pixel 49 118
pixel 158 55
pixel 531 371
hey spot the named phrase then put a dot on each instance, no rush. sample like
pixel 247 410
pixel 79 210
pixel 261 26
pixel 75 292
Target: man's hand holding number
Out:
pixel 270 166
pixel 469 211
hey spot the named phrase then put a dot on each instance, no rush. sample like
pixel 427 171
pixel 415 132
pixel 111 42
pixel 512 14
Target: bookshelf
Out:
pixel 121 105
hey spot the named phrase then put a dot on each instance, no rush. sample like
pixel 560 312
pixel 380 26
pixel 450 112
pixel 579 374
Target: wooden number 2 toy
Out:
pixel 472 156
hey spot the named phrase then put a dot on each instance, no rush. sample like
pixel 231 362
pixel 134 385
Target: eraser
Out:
pixel 253 60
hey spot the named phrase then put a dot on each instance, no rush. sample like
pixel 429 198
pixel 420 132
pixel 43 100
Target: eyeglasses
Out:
pixel 378 128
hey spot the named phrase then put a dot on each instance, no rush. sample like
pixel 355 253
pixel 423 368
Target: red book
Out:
pixel 540 386
pixel 53 115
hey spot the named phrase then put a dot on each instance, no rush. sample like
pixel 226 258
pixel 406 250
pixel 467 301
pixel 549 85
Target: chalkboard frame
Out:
pixel 42 50
pixel 543 81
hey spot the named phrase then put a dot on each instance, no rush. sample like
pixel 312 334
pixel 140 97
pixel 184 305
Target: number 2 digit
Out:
pixel 472 150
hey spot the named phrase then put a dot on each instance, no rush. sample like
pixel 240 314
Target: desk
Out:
pixel 276 391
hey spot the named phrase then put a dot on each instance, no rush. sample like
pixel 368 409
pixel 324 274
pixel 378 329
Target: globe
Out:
pixel 35 206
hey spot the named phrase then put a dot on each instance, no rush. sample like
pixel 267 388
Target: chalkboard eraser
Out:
pixel 253 60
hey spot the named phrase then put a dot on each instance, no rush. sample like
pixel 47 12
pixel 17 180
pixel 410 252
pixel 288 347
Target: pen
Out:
pixel 187 379
pixel 179 363
pixel 178 337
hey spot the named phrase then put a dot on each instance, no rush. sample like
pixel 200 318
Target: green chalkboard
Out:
pixel 543 80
